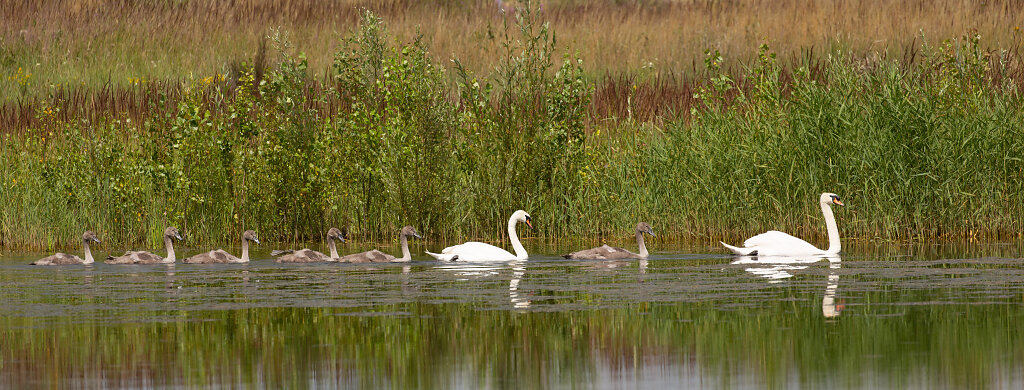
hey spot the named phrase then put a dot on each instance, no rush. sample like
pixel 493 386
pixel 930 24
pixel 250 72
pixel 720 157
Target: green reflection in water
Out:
pixel 438 345
pixel 690 322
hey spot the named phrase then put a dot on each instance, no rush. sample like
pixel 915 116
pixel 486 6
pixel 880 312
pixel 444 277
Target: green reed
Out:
pixel 389 137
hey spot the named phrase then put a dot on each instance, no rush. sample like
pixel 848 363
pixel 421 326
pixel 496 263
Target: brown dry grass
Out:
pixel 91 58
pixel 94 42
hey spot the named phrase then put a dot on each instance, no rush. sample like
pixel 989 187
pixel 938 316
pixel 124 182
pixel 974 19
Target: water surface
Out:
pixel 939 316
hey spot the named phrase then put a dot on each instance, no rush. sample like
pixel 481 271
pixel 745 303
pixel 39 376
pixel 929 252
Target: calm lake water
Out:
pixel 948 316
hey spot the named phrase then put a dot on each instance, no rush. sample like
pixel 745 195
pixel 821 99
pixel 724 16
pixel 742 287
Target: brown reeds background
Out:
pixel 658 98
pixel 100 42
pixel 96 57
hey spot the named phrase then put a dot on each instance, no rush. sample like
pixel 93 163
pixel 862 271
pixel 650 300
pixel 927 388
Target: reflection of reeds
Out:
pixel 99 43
pixel 721 333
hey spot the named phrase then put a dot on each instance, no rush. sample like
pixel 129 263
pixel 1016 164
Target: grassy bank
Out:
pixel 389 136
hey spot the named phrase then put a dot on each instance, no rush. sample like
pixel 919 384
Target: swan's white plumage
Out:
pixel 478 251
pixel 442 256
pixel 474 251
pixel 776 243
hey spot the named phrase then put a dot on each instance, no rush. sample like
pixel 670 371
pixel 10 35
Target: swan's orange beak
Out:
pixel 838 202
pixel 528 223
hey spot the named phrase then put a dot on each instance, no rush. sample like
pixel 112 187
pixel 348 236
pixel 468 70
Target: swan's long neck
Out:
pixel 640 243
pixel 406 256
pixel 833 230
pixel 333 248
pixel 170 250
pixel 88 253
pixel 245 250
pixel 516 245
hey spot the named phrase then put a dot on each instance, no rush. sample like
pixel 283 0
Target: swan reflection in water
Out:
pixel 828 303
pixel 467 271
pixel 518 269
pixel 776 268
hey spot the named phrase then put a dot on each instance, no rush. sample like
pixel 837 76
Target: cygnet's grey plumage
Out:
pixel 67 259
pixel 309 255
pixel 606 252
pixel 221 256
pixel 144 257
pixel 376 256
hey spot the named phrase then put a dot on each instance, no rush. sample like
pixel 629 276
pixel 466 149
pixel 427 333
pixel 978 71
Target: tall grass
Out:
pixel 97 44
pixel 919 147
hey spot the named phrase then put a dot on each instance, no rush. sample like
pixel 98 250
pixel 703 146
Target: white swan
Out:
pixel 478 251
pixel 776 243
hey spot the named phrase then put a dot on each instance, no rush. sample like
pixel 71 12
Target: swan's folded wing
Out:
pixel 471 246
pixel 373 256
pixel 144 257
pixel 777 260
pixel 279 252
pixel 212 257
pixel 442 256
pixel 58 259
pixel 478 251
pixel 774 239
pixel 126 258
pixel 300 256
pixel 603 252
pixel 740 251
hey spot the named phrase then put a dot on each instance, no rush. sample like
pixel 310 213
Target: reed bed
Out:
pixel 923 143
pixel 96 43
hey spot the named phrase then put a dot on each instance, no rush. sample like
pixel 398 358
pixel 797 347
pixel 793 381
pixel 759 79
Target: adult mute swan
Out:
pixel 776 243
pixel 606 252
pixel 478 251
